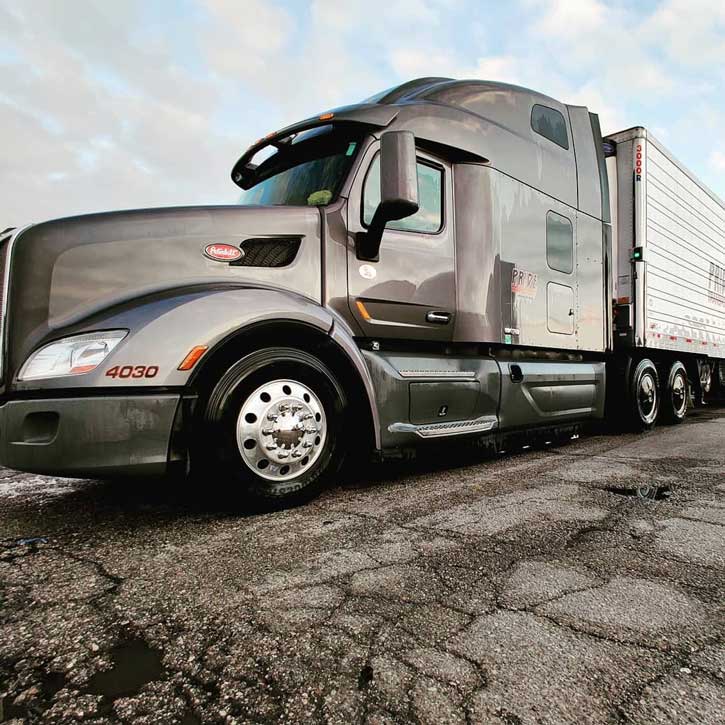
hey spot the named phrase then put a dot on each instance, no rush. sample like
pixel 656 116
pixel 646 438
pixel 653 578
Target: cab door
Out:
pixel 410 292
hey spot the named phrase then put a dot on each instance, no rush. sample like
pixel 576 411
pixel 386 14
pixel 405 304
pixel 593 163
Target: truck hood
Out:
pixel 64 271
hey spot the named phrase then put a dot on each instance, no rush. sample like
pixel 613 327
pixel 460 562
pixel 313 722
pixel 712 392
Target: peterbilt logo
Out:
pixel 223 252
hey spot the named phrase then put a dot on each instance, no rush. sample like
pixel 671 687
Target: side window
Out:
pixel 559 243
pixel 551 124
pixel 428 218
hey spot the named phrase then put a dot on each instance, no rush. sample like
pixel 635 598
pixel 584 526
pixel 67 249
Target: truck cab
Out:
pixel 433 262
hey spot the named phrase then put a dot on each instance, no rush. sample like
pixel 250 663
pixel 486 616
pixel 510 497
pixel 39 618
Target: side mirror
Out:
pixel 398 191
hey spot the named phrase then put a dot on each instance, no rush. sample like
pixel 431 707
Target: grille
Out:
pixel 4 249
pixel 268 252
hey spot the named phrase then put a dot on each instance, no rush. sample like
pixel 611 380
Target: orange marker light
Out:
pixel 326 116
pixel 82 369
pixel 365 314
pixel 193 357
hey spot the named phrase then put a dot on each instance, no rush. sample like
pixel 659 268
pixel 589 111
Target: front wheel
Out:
pixel 273 425
pixel 644 395
pixel 675 394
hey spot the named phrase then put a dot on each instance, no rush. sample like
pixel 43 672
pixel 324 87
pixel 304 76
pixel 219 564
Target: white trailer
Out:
pixel 668 243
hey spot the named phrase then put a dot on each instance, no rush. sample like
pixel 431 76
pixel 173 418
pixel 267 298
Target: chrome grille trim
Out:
pixel 5 292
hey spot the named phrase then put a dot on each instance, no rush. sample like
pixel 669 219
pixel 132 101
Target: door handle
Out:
pixel 438 318
pixel 517 374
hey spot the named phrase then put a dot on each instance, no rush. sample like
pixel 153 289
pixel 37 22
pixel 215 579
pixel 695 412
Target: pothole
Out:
pixel 134 665
pixel 365 677
pixel 647 493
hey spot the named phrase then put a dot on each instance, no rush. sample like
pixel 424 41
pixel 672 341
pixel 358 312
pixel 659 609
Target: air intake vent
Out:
pixel 268 252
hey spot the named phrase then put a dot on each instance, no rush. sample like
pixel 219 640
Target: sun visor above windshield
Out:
pixel 370 115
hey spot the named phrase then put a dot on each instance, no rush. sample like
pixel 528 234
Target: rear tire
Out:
pixel 273 427
pixel 675 394
pixel 644 395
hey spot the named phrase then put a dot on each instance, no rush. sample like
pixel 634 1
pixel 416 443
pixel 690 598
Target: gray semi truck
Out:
pixel 445 259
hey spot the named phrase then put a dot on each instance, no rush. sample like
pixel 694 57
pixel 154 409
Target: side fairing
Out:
pixel 508 290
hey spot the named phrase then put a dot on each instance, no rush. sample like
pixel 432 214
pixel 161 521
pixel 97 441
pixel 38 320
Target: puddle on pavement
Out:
pixel 52 683
pixel 365 677
pixel 135 664
pixel 647 493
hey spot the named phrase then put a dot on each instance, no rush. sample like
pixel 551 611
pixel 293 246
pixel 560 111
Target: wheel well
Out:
pixel 298 335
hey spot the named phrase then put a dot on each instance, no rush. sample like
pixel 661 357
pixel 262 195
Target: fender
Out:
pixel 164 328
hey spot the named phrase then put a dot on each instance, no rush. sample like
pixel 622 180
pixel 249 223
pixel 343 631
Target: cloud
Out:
pixel 99 119
pixel 690 32
pixel 113 105
pixel 717 161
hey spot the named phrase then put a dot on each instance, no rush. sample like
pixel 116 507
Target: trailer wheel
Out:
pixel 644 395
pixel 675 394
pixel 273 425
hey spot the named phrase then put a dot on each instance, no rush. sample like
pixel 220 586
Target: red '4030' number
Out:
pixel 130 371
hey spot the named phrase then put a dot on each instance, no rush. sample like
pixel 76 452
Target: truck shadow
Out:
pixel 124 503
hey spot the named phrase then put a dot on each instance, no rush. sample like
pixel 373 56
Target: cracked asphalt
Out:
pixel 533 587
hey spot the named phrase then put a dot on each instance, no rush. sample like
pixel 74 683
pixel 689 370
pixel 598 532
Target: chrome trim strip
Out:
pixel 6 296
pixel 452 428
pixel 468 375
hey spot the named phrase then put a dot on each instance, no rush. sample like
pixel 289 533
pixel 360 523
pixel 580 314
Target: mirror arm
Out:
pixel 367 244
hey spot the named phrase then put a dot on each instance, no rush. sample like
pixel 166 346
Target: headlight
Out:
pixel 71 356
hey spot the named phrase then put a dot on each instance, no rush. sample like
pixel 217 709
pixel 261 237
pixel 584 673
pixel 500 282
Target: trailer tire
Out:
pixel 675 394
pixel 273 426
pixel 644 395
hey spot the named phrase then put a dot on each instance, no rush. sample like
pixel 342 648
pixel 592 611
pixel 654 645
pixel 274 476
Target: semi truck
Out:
pixel 447 259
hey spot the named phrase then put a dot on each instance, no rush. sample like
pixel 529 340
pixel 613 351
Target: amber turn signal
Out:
pixel 193 357
pixel 363 311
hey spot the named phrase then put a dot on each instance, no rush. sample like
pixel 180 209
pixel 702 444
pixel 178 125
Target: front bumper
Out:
pixel 89 436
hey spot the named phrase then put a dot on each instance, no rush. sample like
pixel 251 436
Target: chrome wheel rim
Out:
pixel 281 430
pixel 647 397
pixel 679 394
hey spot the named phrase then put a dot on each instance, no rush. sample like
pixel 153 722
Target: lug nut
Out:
pixel 271 447
pixel 272 416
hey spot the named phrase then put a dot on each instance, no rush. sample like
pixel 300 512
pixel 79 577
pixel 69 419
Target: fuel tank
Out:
pixel 63 272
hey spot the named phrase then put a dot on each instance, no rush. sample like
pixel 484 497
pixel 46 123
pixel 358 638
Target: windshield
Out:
pixel 309 171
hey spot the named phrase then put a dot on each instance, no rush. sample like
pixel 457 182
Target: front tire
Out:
pixel 675 394
pixel 273 426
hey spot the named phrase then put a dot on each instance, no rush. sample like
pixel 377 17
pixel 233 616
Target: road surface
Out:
pixel 531 587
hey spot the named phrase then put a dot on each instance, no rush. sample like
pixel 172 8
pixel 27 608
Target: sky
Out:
pixel 116 105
